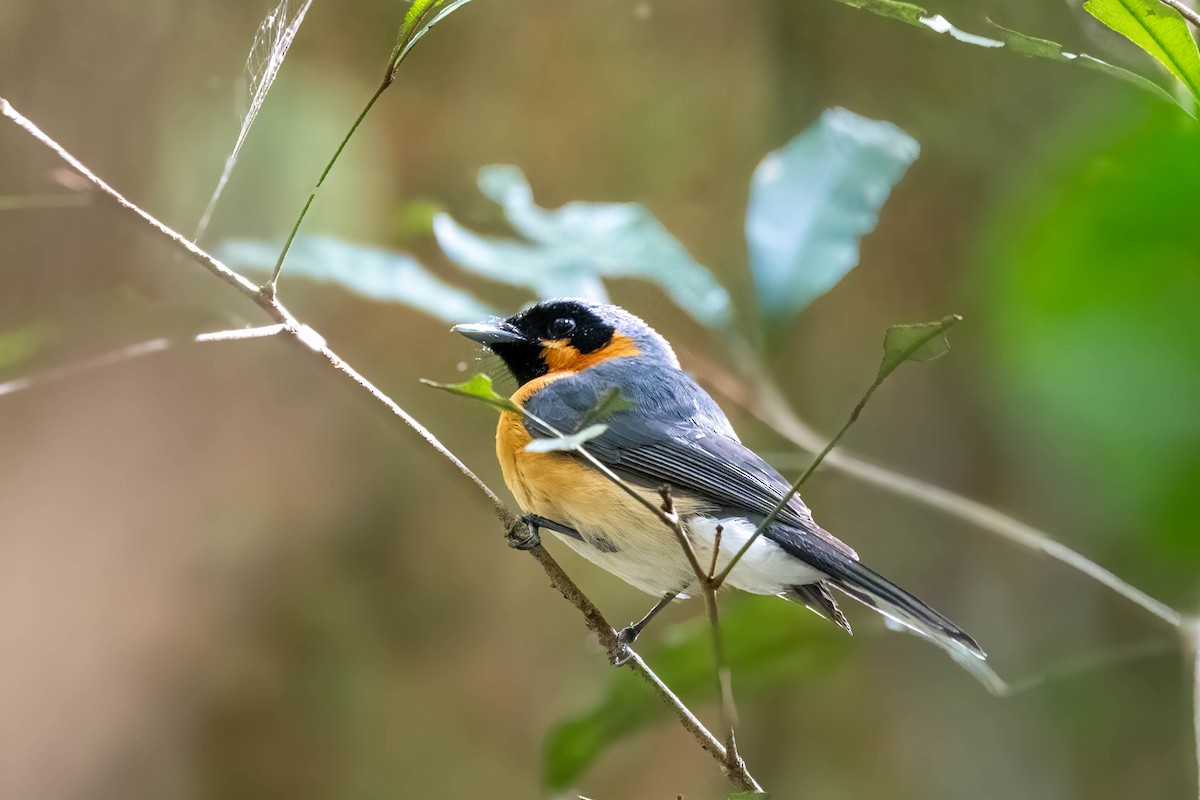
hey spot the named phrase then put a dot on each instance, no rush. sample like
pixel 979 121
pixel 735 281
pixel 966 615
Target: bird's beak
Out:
pixel 489 335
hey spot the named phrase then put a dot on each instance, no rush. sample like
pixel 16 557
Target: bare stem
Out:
pixel 882 375
pixel 732 762
pixel 287 245
pixel 1192 641
pixel 218 269
pixel 314 343
pixel 665 513
pixel 759 396
pixel 712 567
pixel 733 769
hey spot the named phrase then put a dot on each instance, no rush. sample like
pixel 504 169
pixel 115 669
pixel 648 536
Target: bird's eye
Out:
pixel 561 328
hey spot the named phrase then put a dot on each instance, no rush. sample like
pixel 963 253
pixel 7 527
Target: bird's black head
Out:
pixel 567 335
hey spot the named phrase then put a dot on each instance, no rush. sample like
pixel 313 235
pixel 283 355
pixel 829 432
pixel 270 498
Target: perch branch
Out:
pixel 312 342
pixel 761 399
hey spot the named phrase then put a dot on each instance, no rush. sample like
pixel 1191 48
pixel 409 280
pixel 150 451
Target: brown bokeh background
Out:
pixel 223 574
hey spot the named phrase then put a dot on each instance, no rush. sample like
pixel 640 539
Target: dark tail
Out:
pixel 818 598
pixel 872 589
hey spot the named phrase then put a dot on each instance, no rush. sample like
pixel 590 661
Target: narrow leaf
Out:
pixel 271 42
pixel 811 202
pixel 570 249
pixel 418 21
pixel 566 443
pixel 1033 47
pixel 479 388
pixel 923 341
pixel 1156 28
pixel 915 15
pixel 611 402
pixel 769 643
pixel 367 271
pixel 516 263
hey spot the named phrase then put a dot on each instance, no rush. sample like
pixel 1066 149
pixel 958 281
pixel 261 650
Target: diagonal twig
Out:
pixel 312 342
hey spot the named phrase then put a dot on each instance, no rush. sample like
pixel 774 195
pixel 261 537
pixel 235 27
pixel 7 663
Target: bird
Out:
pixel 568 357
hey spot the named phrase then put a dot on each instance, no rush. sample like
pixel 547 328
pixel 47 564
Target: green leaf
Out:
pixel 567 251
pixel 915 15
pixel 1088 276
pixel 769 643
pixel 811 202
pixel 611 402
pixel 1156 28
pixel 413 16
pixel 1033 47
pixel 479 388
pixel 367 271
pixel 418 21
pixel 749 796
pixel 922 341
pixel 567 442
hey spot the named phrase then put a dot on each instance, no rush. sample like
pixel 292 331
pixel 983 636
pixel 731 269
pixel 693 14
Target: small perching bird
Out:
pixel 570 355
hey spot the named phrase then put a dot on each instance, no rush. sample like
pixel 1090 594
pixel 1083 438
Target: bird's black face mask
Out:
pixel 563 335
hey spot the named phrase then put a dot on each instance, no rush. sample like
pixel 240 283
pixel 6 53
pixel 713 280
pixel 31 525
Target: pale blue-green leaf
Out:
pixel 583 241
pixel 543 272
pixel 368 271
pixel 478 387
pixel 811 202
pixel 567 442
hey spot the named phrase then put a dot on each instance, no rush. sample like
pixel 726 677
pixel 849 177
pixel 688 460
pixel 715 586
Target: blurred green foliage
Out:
pixel 329 617
pixel 1094 304
pixel 767 642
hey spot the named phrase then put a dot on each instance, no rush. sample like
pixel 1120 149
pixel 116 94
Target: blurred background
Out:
pixel 223 574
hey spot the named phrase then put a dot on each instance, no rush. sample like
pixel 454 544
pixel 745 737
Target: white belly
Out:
pixel 649 557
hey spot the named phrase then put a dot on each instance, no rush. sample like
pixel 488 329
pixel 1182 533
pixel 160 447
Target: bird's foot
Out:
pixel 624 649
pixel 522 533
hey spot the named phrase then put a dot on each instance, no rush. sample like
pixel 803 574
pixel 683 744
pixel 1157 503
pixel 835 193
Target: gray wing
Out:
pixel 677 435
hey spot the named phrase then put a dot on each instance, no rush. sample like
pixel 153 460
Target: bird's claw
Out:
pixel 522 534
pixel 624 649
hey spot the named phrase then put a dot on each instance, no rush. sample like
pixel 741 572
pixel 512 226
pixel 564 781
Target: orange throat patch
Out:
pixel 522 469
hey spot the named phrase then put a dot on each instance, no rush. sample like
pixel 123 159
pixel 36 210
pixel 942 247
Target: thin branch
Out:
pixel 731 761
pixel 1192 641
pixel 411 31
pixel 287 245
pixel 238 334
pixel 87 365
pixel 759 396
pixel 1184 9
pixel 314 343
pixel 934 332
pixel 607 637
pixel 667 517
pixel 218 269
pixel 129 353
